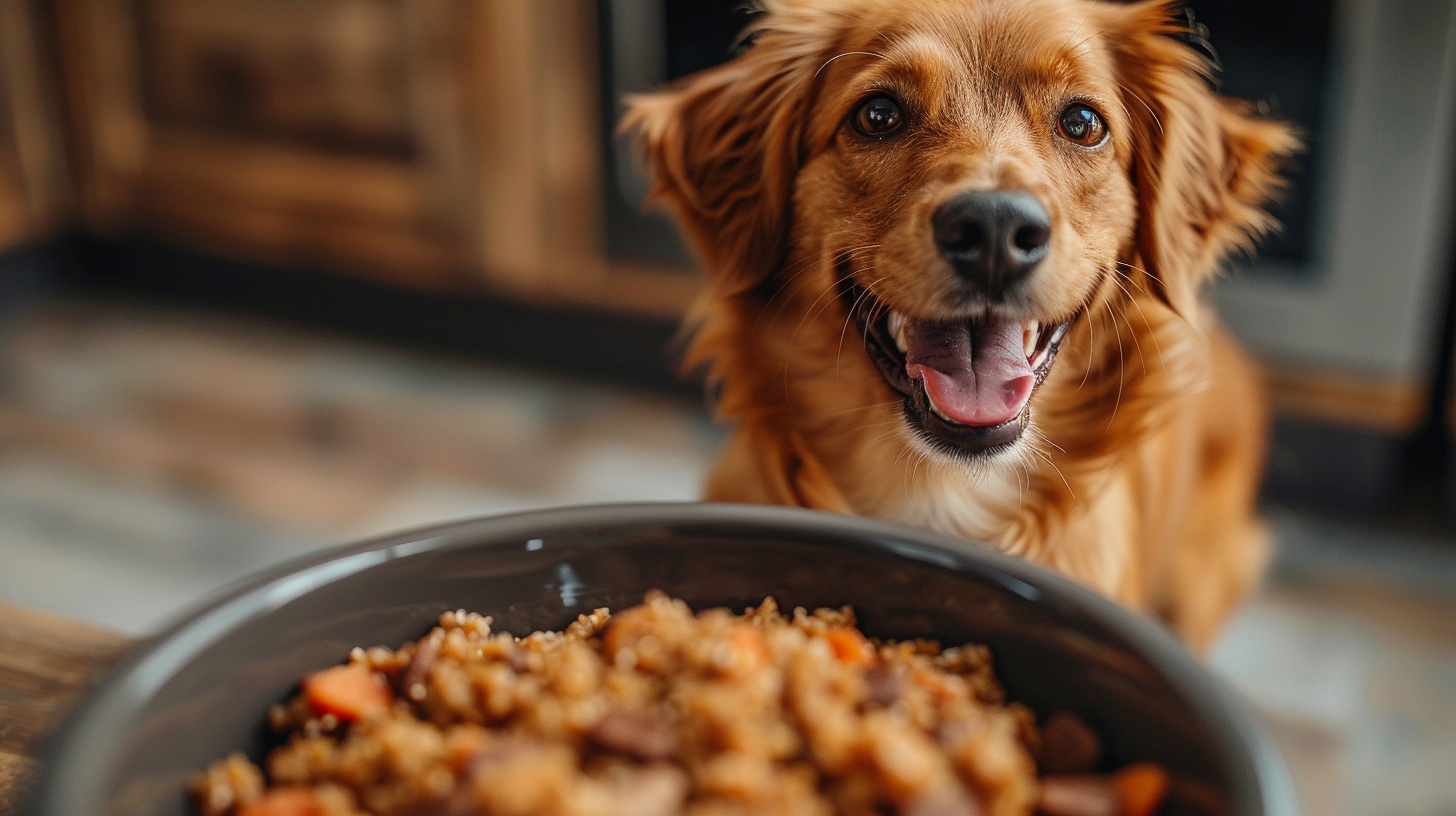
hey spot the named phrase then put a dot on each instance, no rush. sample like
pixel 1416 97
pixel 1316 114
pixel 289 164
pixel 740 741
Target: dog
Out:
pixel 955 252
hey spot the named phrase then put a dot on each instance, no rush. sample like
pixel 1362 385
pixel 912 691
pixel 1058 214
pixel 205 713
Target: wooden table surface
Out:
pixel 45 662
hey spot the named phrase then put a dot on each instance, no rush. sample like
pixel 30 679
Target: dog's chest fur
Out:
pixel 896 481
pixel 999 504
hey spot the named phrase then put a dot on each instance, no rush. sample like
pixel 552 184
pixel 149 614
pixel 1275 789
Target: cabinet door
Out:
pixel 441 143
pixel 32 177
pixel 281 130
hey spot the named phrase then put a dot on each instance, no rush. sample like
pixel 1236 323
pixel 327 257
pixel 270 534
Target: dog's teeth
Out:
pixel 1029 336
pixel 1060 333
pixel 897 330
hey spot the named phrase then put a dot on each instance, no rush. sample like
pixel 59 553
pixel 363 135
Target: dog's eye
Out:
pixel 1081 125
pixel 878 117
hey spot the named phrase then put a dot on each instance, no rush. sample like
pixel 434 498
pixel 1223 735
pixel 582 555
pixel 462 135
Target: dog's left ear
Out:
pixel 1204 166
pixel 724 146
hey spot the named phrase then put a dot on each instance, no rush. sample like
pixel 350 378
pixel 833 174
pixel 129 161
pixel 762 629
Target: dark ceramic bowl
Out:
pixel 200 690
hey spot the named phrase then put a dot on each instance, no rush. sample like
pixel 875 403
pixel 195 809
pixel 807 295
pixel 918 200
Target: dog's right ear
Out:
pixel 724 146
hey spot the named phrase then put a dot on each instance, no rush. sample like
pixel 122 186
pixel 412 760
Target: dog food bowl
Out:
pixel 200 690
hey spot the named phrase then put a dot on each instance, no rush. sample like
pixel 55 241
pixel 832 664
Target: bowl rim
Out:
pixel 115 696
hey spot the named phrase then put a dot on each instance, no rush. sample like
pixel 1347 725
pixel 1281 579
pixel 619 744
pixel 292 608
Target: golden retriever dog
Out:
pixel 955 251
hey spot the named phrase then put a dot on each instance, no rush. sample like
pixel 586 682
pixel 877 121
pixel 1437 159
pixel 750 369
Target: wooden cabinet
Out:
pixel 451 144
pixel 33 184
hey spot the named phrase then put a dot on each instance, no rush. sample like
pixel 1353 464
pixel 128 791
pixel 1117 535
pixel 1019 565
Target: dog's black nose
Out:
pixel 993 239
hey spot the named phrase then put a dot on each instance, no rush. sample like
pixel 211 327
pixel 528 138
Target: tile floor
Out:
pixel 149 456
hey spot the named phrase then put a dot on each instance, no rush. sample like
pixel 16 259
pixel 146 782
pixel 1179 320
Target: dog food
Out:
pixel 658 711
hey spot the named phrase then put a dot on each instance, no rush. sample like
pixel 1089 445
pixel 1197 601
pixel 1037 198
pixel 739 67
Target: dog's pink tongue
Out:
pixel 974 374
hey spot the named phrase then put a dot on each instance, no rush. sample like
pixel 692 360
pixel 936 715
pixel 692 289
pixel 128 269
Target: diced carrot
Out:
pixel 624 629
pixel 850 646
pixel 750 652
pixel 1068 745
pixel 1140 788
pixel 1077 795
pixel 285 802
pixel 347 692
pixel 463 744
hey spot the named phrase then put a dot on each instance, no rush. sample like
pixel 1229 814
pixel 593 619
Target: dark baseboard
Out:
pixel 1347 472
pixel 29 274
pixel 1448 486
pixel 573 342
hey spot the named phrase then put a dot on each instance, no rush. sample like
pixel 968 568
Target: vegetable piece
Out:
pixel 1195 798
pixel 1068 745
pixel 850 646
pixel 412 683
pixel 625 629
pixel 750 653
pixel 1081 795
pixel 885 683
pixel 285 802
pixel 636 734
pixel 347 692
pixel 1140 788
pixel 943 800
pixel 227 785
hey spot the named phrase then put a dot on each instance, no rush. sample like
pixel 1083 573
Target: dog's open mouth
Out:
pixel 967 384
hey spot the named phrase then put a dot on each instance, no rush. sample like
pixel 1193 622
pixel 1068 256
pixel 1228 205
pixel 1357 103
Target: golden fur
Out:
pixel 1137 474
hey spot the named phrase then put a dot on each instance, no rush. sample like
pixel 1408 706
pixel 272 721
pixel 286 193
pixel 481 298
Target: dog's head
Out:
pixel 970 178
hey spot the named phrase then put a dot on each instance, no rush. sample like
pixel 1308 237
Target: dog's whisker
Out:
pixel 905 470
pixel 1137 268
pixel 1048 459
pixel 1091 349
pixel 811 312
pixel 1147 323
pixel 878 310
pixel 886 437
pixel 848 318
pixel 920 458
pixel 902 461
pixel 893 424
pixel 1078 29
pixel 1041 436
pixel 1121 365
pixel 1176 314
pixel 1019 470
pixel 1154 278
pixel 1152 332
pixel 861 408
pixel 790 272
pixel 798 269
pixel 883 437
pixel 1137 343
pixel 1130 329
pixel 846 54
pixel 1125 111
pixel 1151 112
pixel 865 293
pixel 1074 48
